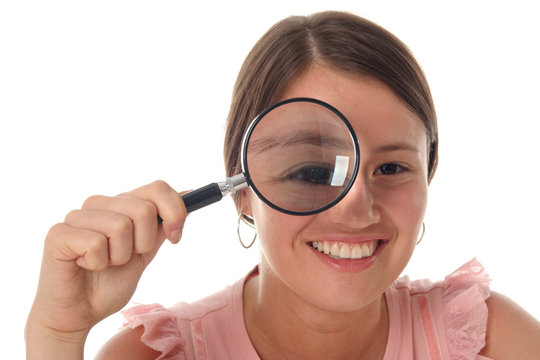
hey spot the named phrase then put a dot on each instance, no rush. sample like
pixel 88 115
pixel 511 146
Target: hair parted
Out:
pixel 340 41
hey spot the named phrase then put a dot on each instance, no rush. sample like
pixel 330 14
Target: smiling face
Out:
pixel 345 257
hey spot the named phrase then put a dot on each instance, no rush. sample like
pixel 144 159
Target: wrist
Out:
pixel 45 343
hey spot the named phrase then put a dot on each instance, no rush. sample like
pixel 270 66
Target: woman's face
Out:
pixel 378 220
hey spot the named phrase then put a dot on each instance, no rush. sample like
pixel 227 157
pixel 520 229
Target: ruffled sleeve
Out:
pixel 464 294
pixel 161 330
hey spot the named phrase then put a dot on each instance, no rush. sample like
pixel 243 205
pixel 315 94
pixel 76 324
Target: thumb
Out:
pixel 173 227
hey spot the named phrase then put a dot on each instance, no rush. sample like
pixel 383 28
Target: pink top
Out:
pixel 436 321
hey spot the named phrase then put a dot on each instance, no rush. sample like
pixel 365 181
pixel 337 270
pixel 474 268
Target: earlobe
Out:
pixel 243 204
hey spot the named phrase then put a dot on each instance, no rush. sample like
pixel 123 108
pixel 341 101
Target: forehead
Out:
pixel 377 115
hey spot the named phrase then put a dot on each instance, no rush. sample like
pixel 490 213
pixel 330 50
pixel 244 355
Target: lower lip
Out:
pixel 350 265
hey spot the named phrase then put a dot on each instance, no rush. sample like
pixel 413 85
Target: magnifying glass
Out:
pixel 300 156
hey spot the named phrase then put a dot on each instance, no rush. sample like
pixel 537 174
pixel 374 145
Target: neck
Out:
pixel 283 325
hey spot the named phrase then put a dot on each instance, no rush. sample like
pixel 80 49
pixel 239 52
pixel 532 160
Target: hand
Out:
pixel 93 261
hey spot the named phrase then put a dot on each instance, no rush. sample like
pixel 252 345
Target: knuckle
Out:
pixel 70 215
pixel 93 248
pixel 97 253
pixel 91 201
pixel 57 228
pixel 146 246
pixel 160 186
pixel 144 210
pixel 97 243
pixel 121 226
pixel 55 231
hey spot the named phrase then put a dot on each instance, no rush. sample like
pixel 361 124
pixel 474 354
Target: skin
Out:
pixel 92 263
pixel 323 305
pixel 94 259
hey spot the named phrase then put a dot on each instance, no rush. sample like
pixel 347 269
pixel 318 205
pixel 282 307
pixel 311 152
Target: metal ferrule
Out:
pixel 233 184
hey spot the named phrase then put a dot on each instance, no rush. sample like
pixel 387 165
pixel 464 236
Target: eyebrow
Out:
pixel 300 138
pixel 396 147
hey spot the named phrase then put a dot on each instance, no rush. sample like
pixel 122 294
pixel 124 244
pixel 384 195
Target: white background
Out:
pixel 101 97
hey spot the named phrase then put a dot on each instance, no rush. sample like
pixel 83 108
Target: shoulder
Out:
pixel 151 331
pixel 450 314
pixel 127 344
pixel 512 333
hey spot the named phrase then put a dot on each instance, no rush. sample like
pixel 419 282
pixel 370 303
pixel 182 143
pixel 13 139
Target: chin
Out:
pixel 342 293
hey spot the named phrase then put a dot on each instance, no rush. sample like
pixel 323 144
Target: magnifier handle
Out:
pixel 212 193
pixel 202 197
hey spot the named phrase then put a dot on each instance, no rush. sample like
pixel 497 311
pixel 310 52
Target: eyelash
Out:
pixel 313 174
pixel 396 169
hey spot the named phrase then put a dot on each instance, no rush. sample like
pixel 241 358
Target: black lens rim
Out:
pixel 249 132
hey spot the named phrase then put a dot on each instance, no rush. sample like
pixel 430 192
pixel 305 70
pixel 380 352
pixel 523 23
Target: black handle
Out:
pixel 201 197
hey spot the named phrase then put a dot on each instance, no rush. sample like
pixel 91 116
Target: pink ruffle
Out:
pixel 161 330
pixel 465 292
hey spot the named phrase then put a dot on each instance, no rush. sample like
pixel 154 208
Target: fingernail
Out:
pixel 175 236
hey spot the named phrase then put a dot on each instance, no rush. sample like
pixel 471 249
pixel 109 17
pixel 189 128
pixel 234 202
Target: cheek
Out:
pixel 273 227
pixel 279 234
pixel 267 231
pixel 406 205
pixel 404 208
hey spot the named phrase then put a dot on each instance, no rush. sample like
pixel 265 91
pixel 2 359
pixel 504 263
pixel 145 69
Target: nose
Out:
pixel 358 209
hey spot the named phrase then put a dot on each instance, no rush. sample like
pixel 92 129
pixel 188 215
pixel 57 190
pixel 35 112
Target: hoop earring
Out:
pixel 423 232
pixel 241 217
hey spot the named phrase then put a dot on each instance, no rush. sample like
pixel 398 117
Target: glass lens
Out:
pixel 301 156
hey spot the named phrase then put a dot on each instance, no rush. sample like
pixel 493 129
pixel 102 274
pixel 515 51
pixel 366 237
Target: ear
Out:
pixel 243 205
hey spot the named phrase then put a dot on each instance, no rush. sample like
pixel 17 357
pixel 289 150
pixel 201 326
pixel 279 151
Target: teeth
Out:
pixel 340 250
pixel 335 249
pixel 366 249
pixel 326 247
pixel 356 252
pixel 345 252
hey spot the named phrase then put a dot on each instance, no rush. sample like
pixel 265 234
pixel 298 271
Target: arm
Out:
pixel 127 345
pixel 92 263
pixel 512 333
pixel 45 343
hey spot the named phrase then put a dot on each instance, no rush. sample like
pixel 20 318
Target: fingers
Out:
pixel 93 260
pixel 143 206
pixel 169 205
pixel 89 249
pixel 119 212
pixel 116 229
pixel 109 230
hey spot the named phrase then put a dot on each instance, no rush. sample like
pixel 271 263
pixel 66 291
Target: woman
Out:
pixel 309 297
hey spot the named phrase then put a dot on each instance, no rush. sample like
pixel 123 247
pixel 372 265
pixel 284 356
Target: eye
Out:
pixel 390 169
pixel 317 174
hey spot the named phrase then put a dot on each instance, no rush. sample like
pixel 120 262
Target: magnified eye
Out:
pixel 318 174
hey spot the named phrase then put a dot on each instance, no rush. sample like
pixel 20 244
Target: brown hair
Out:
pixel 340 41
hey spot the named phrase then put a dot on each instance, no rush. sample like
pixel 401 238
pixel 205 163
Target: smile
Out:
pixel 343 250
